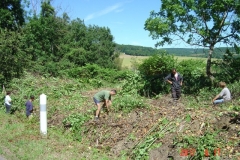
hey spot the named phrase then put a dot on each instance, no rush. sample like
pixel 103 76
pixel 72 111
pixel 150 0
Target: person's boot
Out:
pixel 96 119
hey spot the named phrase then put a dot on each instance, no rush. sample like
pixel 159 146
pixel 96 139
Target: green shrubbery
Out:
pixel 153 70
pixel 194 77
pixel 76 121
pixel 226 68
pixel 91 71
pixel 200 147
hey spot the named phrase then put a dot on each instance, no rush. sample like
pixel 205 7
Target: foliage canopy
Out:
pixel 202 23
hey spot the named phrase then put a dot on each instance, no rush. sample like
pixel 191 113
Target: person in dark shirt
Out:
pixel 175 79
pixel 29 107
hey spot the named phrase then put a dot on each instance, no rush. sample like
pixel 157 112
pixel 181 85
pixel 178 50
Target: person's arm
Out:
pixel 31 108
pixel 167 79
pixel 107 99
pixel 107 105
pixel 181 81
pixel 216 97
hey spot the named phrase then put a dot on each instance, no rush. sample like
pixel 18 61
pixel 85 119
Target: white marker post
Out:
pixel 43 115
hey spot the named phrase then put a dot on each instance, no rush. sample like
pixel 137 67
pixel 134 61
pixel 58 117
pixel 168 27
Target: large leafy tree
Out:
pixel 196 22
pixel 12 58
pixel 11 14
pixel 44 33
pixel 90 44
pixel 101 46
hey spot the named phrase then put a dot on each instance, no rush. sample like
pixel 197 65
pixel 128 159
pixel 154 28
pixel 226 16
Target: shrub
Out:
pixel 76 122
pixel 194 78
pixel 153 70
pixel 225 69
pixel 128 102
pixel 96 72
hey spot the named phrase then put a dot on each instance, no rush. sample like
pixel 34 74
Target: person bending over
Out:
pixel 105 97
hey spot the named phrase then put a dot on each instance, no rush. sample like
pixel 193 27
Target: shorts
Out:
pixel 95 101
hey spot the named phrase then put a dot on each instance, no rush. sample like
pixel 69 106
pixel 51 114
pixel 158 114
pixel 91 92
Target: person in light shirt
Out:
pixel 8 101
pixel 223 96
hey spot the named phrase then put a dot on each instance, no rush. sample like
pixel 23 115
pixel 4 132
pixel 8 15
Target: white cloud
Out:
pixel 114 8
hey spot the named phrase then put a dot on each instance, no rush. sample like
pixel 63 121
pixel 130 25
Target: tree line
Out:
pixel 218 52
pixel 49 44
pixel 46 43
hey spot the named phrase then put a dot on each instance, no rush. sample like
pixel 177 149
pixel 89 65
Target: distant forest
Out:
pixel 187 52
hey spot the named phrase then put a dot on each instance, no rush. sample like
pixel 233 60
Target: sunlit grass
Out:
pixel 130 61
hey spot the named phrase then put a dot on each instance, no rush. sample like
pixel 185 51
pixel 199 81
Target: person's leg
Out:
pixel 8 107
pixel 174 94
pixel 218 101
pixel 30 116
pixel 97 103
pixel 98 110
pixel 178 93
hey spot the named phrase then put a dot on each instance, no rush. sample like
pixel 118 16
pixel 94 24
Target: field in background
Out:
pixel 130 61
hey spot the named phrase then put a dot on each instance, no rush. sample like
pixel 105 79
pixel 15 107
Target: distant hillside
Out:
pixel 187 52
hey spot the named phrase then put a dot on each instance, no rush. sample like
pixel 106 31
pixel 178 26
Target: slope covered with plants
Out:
pixel 143 123
pixel 69 62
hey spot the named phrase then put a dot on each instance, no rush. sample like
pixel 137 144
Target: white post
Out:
pixel 43 114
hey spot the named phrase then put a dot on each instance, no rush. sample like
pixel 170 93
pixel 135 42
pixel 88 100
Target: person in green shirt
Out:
pixel 103 96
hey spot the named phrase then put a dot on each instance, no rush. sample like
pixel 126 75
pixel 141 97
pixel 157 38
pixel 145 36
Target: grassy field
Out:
pixel 130 61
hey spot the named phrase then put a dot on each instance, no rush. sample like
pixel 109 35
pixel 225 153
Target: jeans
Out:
pixel 217 101
pixel 8 108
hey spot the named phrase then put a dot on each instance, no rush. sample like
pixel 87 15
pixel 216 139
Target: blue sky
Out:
pixel 125 18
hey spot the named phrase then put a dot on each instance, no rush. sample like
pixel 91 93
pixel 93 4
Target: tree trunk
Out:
pixel 209 62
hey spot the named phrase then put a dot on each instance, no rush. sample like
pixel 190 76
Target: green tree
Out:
pixel 197 22
pixel 92 44
pixel 44 35
pixel 12 58
pixel 11 14
pixel 101 46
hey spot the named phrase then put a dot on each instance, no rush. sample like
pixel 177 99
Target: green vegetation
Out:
pixel 70 112
pixel 69 62
pixel 132 62
pixel 139 51
pixel 201 23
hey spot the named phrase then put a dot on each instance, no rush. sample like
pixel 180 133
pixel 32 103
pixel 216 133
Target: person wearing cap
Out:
pixel 105 97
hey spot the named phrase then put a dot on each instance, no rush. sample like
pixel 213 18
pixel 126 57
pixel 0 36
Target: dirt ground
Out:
pixel 119 133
